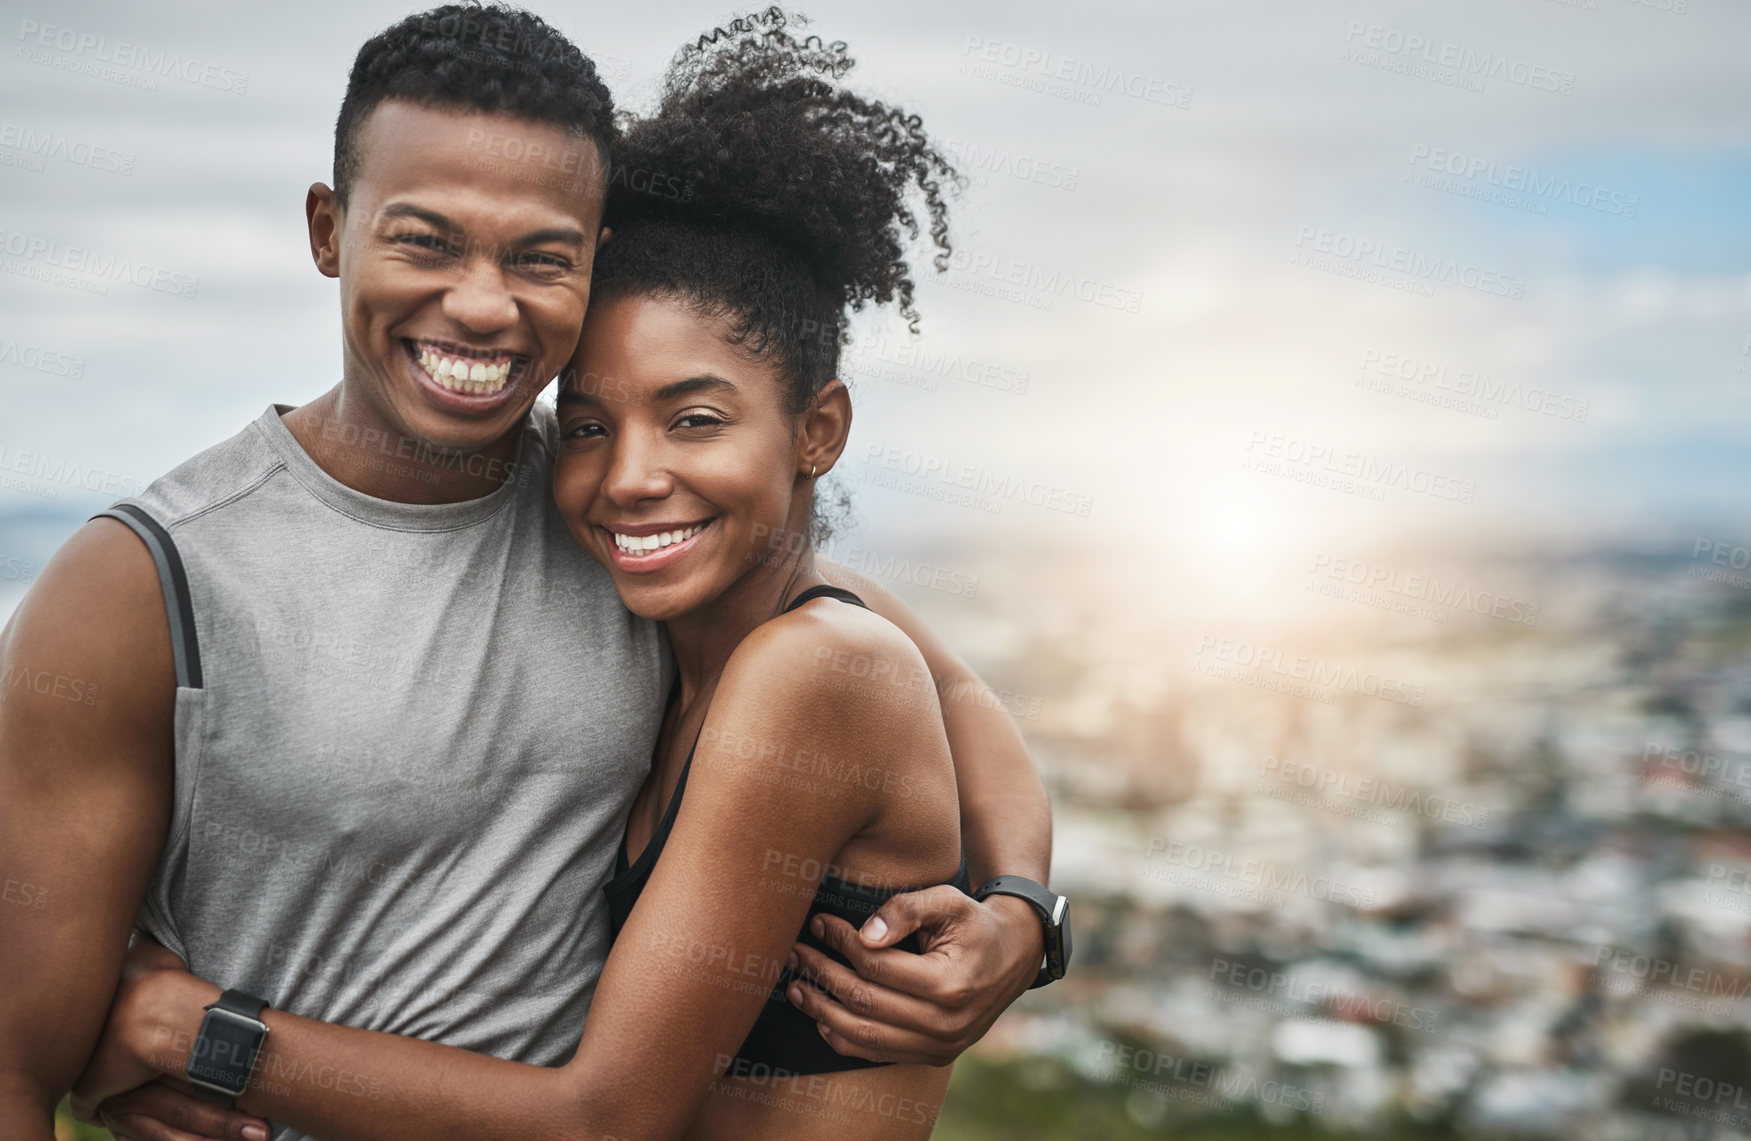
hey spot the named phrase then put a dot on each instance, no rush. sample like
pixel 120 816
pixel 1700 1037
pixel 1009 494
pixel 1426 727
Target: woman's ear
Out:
pixel 322 214
pixel 826 427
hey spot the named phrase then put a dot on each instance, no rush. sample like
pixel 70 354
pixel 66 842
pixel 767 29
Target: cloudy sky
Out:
pixel 1236 276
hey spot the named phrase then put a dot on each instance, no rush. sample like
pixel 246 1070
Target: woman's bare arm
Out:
pixel 1006 820
pixel 686 977
pixel 984 955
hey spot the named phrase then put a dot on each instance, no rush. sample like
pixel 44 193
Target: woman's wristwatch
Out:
pixel 1054 911
pixel 224 1054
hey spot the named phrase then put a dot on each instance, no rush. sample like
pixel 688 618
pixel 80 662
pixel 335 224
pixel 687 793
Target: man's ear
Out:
pixel 826 427
pixel 322 213
pixel 602 238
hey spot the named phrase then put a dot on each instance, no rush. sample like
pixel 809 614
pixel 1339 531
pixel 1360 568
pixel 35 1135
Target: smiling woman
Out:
pixel 720 314
pixel 701 407
pixel 694 460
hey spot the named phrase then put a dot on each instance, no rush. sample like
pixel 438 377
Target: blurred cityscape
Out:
pixel 1431 860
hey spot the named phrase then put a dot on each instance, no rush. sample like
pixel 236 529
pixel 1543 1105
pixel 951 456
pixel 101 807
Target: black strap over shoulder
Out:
pixel 815 592
pixel 184 644
pixel 654 846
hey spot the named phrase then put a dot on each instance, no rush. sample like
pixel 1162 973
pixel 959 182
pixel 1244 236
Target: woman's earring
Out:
pixel 811 471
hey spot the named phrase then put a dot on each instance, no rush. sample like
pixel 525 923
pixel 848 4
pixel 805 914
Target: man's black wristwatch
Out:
pixel 225 1050
pixel 1054 912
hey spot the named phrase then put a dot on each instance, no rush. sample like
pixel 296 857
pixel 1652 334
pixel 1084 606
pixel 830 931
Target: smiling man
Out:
pixel 367 721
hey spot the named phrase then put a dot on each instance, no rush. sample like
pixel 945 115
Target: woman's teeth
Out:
pixel 635 544
pixel 459 374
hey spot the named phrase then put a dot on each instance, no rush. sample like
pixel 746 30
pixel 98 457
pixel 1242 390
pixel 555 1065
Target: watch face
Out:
pixel 1059 932
pixel 225 1050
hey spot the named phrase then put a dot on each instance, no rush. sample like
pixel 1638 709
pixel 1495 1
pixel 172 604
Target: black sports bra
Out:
pixel 783 1037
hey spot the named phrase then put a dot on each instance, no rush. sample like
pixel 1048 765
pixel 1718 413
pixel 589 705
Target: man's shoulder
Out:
pixel 211 477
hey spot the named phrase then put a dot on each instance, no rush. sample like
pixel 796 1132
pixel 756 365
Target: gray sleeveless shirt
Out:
pixel 407 738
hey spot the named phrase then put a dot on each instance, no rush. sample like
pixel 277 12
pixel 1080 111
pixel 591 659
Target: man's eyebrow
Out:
pixel 566 235
pixel 409 210
pixel 573 396
pixel 694 384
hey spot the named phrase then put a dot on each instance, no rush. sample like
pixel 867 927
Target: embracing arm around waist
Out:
pixel 87 703
pixel 692 968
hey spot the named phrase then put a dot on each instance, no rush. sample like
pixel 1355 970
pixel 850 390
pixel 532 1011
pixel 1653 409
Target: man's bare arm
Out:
pixel 87 705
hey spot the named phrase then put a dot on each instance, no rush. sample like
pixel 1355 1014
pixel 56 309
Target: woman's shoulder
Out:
pixel 812 702
pixel 832 670
pixel 832 645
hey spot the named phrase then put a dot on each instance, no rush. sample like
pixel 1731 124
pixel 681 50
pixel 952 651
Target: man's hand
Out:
pixel 144 1036
pixel 925 1008
pixel 115 1066
pixel 165 1110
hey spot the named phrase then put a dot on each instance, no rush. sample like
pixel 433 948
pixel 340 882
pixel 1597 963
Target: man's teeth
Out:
pixel 461 375
pixel 636 543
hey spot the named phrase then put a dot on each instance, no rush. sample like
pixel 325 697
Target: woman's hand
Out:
pixel 152 1022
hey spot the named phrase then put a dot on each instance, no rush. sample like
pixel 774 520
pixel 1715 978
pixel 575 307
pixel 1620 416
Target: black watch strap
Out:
pixel 237 1002
pixel 224 1053
pixel 1054 913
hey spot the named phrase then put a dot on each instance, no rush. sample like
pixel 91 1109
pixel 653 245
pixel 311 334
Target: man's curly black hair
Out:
pixel 493 58
pixel 796 195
